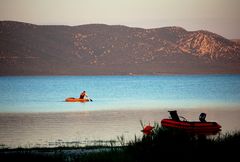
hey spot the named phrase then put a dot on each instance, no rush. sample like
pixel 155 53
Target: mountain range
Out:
pixel 99 49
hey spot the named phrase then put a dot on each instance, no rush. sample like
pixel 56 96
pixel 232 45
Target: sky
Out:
pixel 218 16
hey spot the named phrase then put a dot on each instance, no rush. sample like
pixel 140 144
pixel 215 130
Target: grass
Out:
pixel 169 144
pixel 177 145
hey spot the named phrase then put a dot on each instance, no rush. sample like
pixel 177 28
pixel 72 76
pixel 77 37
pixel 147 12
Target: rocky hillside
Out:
pixel 97 49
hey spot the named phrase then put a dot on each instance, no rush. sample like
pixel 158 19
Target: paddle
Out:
pixel 89 98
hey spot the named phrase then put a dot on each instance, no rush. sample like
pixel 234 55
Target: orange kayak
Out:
pixel 72 99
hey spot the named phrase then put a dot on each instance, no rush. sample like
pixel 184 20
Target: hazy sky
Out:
pixel 219 16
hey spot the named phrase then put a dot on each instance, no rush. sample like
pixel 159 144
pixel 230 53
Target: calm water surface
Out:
pixel 33 111
pixel 47 94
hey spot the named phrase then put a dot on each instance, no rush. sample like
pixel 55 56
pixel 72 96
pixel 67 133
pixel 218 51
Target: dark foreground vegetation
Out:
pixel 163 144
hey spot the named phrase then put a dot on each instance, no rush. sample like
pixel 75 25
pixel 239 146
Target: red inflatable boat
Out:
pixel 195 127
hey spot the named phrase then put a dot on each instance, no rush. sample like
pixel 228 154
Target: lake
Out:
pixel 33 112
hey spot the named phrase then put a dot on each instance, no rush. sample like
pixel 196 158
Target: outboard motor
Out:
pixel 202 117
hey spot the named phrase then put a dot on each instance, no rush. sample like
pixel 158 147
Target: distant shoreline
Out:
pixel 130 74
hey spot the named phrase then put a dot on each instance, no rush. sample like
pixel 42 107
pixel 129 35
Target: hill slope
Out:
pixel 97 49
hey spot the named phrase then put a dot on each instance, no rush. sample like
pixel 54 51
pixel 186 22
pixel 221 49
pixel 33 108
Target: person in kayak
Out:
pixel 83 95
